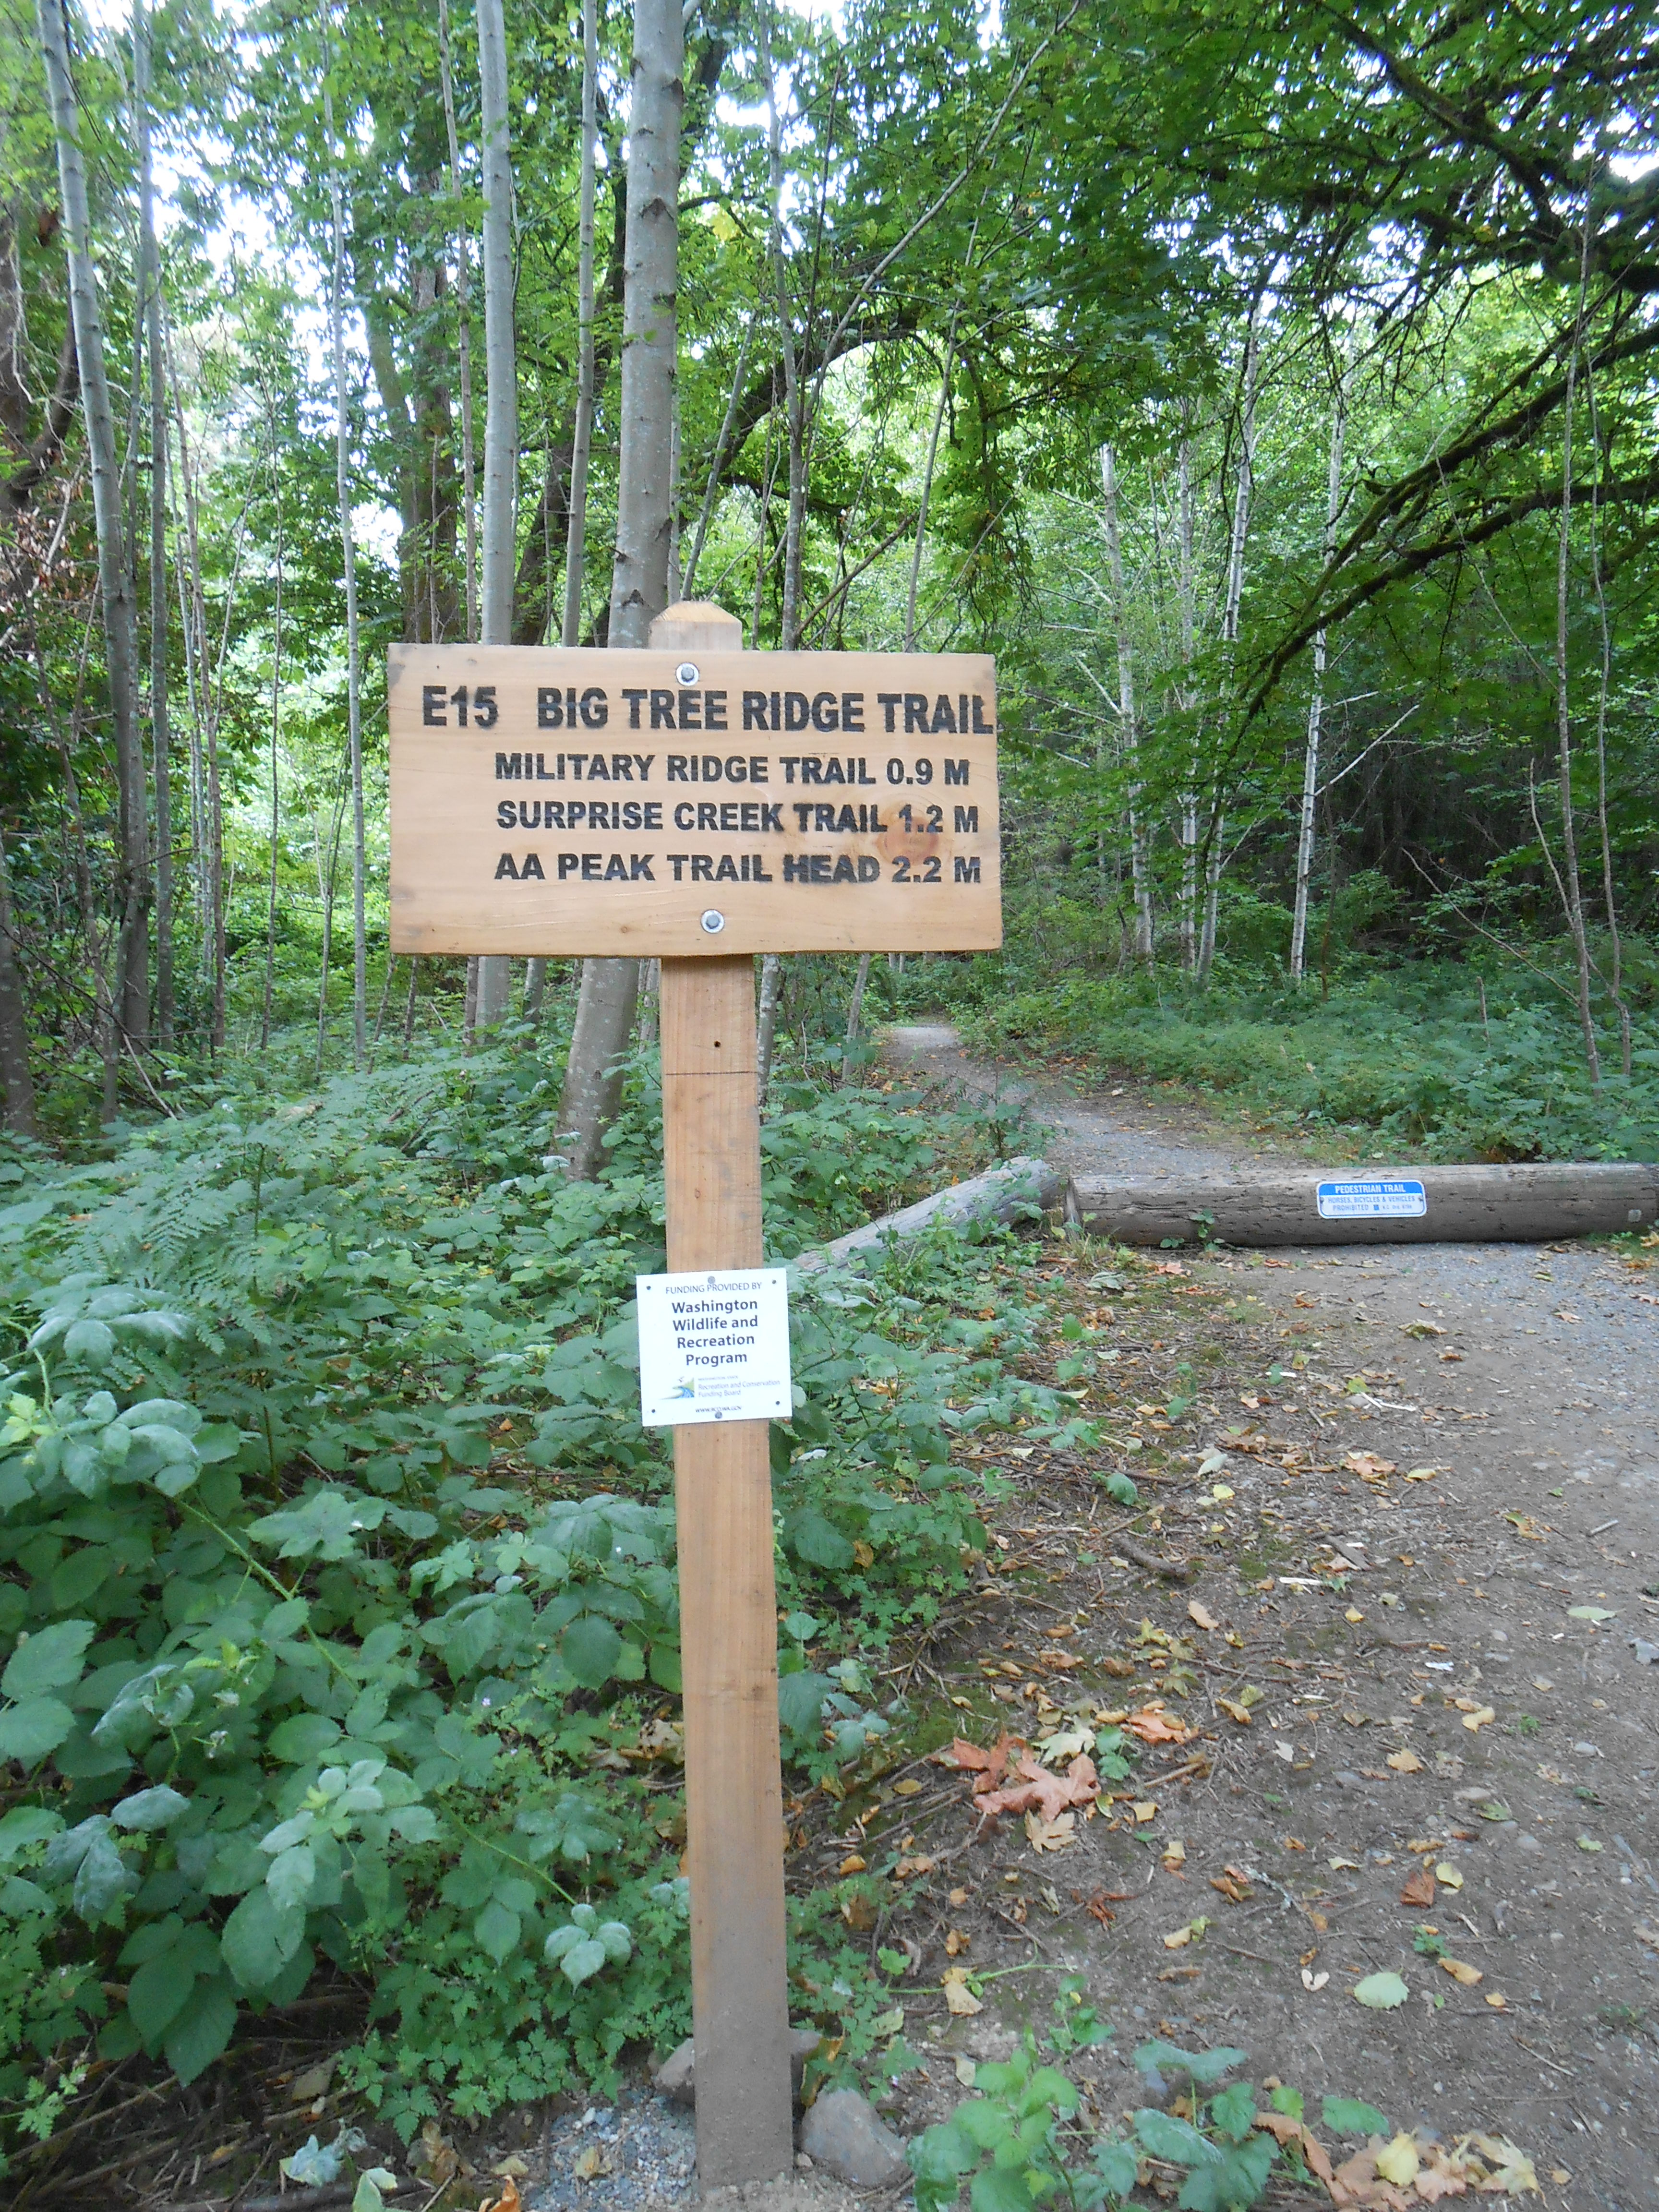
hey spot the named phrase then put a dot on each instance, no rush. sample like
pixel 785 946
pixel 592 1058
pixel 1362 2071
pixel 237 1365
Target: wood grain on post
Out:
pixel 728 1601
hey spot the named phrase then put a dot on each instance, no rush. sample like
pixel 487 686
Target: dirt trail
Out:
pixel 1425 1676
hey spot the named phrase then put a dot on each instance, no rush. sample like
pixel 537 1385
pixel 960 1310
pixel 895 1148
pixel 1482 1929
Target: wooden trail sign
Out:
pixel 546 800
pixel 761 803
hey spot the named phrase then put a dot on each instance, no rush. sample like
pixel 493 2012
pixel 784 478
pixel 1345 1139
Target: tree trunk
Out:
pixel 535 988
pixel 276 734
pixel 1128 725
pixel 711 489
pixel 854 1015
pixel 1243 489
pixel 766 1030
pixel 15 1077
pixel 793 397
pixel 348 571
pixel 1305 849
pixel 150 261
pixel 1187 587
pixel 463 329
pixel 1572 888
pixel 501 470
pixel 115 583
pixel 610 988
pixel 1615 940
pixel 575 544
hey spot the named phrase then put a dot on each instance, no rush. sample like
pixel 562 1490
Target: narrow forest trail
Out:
pixel 1427 1668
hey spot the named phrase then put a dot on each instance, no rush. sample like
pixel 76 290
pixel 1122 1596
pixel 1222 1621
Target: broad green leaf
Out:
pixel 1001 2189
pixel 149 1809
pixel 1203 2066
pixel 259 1939
pixel 583 1960
pixel 1233 2184
pixel 1176 2140
pixel 590 1648
pixel 1351 2116
pixel 1233 2111
pixel 203 2029
pixel 816 1540
pixel 158 1990
pixel 1117 2166
pixel 1381 1992
pixel 91 1342
pixel 24 1826
pixel 31 1730
pixel 102 1879
pixel 942 2153
pixel 497 1930
pixel 293 1876
pixel 50 1659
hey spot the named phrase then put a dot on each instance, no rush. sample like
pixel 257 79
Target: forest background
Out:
pixel 1271 389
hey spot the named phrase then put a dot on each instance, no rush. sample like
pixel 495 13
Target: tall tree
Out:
pixel 160 733
pixel 116 594
pixel 576 536
pixel 500 468
pixel 349 572
pixel 1304 843
pixel 1128 724
pixel 639 589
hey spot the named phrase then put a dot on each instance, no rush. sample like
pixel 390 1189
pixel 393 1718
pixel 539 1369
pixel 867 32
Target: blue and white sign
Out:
pixel 1381 1198
pixel 714 1346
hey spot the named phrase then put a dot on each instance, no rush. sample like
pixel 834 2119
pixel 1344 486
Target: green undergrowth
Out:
pixel 1397 1060
pixel 339 1612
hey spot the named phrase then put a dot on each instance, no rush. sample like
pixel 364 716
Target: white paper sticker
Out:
pixel 714 1346
pixel 1383 1198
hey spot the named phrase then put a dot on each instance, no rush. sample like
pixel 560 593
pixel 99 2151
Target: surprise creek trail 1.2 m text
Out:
pixel 648 802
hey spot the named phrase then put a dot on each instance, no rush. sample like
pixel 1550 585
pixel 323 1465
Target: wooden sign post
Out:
pixel 700 805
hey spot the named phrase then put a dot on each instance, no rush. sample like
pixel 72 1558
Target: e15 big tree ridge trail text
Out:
pixel 546 800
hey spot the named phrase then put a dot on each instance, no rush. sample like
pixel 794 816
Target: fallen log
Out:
pixel 1535 1203
pixel 1017 1187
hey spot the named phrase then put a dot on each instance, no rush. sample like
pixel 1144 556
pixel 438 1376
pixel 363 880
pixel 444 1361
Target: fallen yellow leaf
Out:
pixel 1405 1762
pixel 1399 2161
pixel 956 1942
pixel 959 1999
pixel 908 1788
pixel 1179 1936
pixel 1496 2002
pixel 1201 1615
pixel 1449 1875
pixel 852 1864
pixel 1461 1971
pixel 1144 1810
pixel 1353 1614
pixel 1175 1853
pixel 1479 1720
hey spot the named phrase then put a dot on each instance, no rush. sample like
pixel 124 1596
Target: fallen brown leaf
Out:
pixel 1420 1890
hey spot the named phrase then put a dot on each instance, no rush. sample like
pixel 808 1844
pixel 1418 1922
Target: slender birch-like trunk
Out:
pixel 349 572
pixel 766 1026
pixel 1304 849
pixel 789 608
pixel 463 327
pixel 160 731
pixel 116 591
pixel 575 543
pixel 1128 725
pixel 15 1076
pixel 501 468
pixel 639 589
pixel 711 489
pixel 1243 490
pixel 1615 938
pixel 1571 886
pixel 1187 589
pixel 276 734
